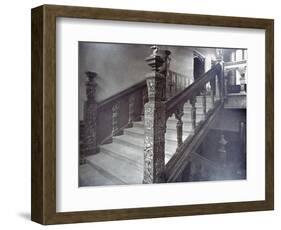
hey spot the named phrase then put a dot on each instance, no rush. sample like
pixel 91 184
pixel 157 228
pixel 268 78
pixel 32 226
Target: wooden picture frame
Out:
pixel 43 208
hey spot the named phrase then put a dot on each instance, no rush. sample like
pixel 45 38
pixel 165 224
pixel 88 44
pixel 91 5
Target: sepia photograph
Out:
pixel 161 114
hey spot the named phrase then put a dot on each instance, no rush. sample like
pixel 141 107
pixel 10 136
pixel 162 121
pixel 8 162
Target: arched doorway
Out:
pixel 198 65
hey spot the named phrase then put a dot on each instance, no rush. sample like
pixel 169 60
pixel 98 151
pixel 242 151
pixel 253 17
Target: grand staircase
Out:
pixel 121 162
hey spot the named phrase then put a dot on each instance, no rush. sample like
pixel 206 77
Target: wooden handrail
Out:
pixel 234 63
pixel 121 94
pixel 191 90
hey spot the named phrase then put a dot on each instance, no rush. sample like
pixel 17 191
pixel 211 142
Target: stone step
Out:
pixel 170 136
pixel 125 153
pixel 90 176
pixel 122 172
pixel 137 142
pixel 129 141
pixel 199 107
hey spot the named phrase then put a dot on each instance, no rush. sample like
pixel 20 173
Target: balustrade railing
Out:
pixel 108 118
pixel 175 83
pixel 163 94
pixel 157 112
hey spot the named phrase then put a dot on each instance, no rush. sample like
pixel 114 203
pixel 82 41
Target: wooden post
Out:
pixel 193 113
pixel 115 119
pixel 178 114
pixel 212 97
pixel 204 102
pixel 154 121
pixel 89 145
pixel 132 100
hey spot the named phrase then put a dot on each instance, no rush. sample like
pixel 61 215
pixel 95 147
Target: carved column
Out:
pixel 90 118
pixel 115 118
pixel 144 99
pixel 132 100
pixel 222 151
pixel 154 121
pixel 178 114
pixel 193 113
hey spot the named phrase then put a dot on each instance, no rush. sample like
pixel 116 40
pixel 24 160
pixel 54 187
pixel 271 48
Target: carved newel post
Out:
pixel 154 121
pixel 90 117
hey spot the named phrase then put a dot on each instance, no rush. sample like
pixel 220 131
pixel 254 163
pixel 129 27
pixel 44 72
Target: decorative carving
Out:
pixel 154 144
pixel 193 113
pixel 154 122
pixel 132 100
pixel 222 150
pixel 89 145
pixel 115 118
pixel 178 114
pixel 144 99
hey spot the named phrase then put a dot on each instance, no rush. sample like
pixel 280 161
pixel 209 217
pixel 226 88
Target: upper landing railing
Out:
pixel 230 68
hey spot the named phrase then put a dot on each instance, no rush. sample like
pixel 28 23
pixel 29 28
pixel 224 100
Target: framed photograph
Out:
pixel 140 114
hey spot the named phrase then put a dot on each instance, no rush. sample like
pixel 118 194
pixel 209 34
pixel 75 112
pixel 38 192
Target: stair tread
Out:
pixel 115 168
pixel 127 138
pixel 89 176
pixel 170 134
pixel 124 152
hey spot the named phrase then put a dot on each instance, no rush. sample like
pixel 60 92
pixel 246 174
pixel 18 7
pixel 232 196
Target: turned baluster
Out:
pixel 169 85
pixel 204 102
pixel 193 113
pixel 176 84
pixel 89 145
pixel 154 121
pixel 132 100
pixel 115 118
pixel 178 114
pixel 212 91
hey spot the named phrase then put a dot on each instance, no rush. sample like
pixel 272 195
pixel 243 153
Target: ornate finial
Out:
pixel 91 75
pixel 156 59
pixel 91 85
